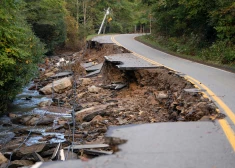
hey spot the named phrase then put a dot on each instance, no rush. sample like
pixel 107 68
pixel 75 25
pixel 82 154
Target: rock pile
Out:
pixel 114 97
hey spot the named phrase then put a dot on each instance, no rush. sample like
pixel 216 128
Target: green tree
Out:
pixel 47 18
pixel 223 19
pixel 196 25
pixel 20 50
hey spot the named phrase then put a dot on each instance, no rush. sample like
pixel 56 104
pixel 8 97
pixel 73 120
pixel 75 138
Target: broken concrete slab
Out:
pixel 206 141
pixel 93 73
pixel 87 65
pixel 95 67
pixel 128 61
pixel 37 157
pixel 55 153
pixel 194 90
pixel 103 40
pixel 89 146
pixel 180 74
pixel 115 86
pixel 62 74
pixel 70 155
pixel 97 152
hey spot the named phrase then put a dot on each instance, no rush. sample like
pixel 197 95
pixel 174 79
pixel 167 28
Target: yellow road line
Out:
pixel 223 123
pixel 228 132
pixel 226 109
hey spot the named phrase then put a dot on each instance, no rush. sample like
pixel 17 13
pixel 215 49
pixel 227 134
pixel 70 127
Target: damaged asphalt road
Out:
pixel 113 101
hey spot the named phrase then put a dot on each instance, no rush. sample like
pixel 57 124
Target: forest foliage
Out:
pixel 197 27
pixel 20 50
pixel 30 29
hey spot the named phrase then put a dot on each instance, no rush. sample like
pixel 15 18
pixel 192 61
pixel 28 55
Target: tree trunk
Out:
pixel 84 4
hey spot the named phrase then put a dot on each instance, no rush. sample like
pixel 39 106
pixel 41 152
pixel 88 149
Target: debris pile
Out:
pixel 111 97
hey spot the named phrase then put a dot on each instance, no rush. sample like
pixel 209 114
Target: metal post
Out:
pixel 107 12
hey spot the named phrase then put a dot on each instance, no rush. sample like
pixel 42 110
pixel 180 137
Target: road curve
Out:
pixel 221 82
pixel 177 144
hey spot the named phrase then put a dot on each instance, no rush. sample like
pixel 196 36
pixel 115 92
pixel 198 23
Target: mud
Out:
pixel 150 96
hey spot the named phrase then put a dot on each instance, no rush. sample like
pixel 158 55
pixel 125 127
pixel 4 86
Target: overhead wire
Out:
pixel 9 162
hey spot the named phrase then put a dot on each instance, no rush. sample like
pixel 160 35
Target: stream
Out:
pixel 21 107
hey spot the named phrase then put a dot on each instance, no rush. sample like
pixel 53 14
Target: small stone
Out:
pixel 143 114
pixel 85 124
pixel 33 87
pixel 102 130
pixel 97 119
pixel 3 159
pixel 86 81
pixel 20 163
pixel 55 70
pixel 80 95
pixel 122 121
pixel 12 115
pixel 49 74
pixel 32 121
pixel 44 103
pixel 205 118
pixel 25 119
pixel 161 95
pixel 94 89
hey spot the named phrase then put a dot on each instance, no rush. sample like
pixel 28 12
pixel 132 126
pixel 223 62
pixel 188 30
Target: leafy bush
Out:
pixel 116 27
pixel 220 52
pixel 20 50
pixel 47 18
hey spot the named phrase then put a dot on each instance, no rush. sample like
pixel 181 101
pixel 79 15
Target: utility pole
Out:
pixel 107 13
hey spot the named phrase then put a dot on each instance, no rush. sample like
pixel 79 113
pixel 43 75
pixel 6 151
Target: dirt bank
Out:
pixel 113 97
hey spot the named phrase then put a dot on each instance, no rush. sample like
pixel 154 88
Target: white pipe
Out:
pixel 107 12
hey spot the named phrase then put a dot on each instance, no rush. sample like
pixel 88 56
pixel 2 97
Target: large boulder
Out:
pixel 89 113
pixel 59 86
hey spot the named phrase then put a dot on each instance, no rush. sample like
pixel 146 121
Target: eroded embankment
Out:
pixel 112 97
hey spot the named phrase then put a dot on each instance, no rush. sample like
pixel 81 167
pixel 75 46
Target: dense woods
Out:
pixel 30 29
pixel 205 28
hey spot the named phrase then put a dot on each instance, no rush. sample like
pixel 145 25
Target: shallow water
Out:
pixel 21 107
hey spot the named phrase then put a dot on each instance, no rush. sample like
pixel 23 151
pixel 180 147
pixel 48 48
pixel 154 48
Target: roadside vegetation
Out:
pixel 31 29
pixel 200 30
